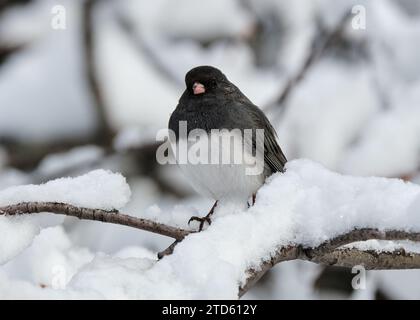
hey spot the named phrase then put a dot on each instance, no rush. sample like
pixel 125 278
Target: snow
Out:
pixel 98 189
pixel 51 260
pixel 15 235
pixel 307 204
pixel 385 246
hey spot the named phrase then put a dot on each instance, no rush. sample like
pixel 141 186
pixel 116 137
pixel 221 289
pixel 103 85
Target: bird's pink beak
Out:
pixel 198 88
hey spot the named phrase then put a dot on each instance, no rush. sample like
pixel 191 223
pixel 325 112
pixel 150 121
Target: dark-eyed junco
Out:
pixel 212 105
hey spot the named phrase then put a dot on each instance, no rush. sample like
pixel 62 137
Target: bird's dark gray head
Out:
pixel 204 79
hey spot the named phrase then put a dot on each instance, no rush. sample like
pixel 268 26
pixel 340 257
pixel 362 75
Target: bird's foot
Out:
pixel 254 196
pixel 202 220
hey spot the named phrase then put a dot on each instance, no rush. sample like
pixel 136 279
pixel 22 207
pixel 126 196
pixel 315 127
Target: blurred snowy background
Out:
pixel 94 94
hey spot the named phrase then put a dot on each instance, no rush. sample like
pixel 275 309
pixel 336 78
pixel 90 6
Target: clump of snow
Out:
pixel 50 261
pixel 385 246
pixel 99 189
pixel 135 252
pixel 116 278
pixel 16 234
pixel 327 204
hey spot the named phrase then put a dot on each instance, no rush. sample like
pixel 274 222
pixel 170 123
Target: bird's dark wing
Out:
pixel 273 155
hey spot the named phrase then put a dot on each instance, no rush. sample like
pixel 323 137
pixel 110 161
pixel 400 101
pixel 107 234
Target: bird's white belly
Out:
pixel 222 180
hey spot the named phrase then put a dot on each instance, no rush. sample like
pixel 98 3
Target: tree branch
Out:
pixel 146 51
pixel 355 236
pixel 97 215
pixel 370 259
pixel 328 253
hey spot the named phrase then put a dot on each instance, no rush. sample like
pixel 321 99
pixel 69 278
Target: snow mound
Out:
pixel 98 189
pixel 325 204
pixel 50 261
pixel 16 234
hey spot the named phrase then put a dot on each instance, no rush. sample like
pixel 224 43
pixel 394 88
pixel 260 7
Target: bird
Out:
pixel 212 104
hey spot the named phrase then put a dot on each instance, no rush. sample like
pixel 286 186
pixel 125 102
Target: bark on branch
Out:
pixel 114 217
pixel 370 259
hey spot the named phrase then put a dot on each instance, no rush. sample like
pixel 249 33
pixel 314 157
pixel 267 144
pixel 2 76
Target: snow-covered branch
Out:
pixel 330 253
pixel 113 216
pixel 306 213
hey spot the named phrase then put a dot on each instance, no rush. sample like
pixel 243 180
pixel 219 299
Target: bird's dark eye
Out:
pixel 213 83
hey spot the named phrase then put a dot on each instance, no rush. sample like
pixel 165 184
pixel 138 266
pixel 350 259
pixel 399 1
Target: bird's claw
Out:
pixel 202 220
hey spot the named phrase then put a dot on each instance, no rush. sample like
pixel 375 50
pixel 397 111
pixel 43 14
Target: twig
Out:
pixel 169 250
pixel 144 49
pixel 8 50
pixel 318 49
pixel 282 254
pixel 104 130
pixel 97 215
